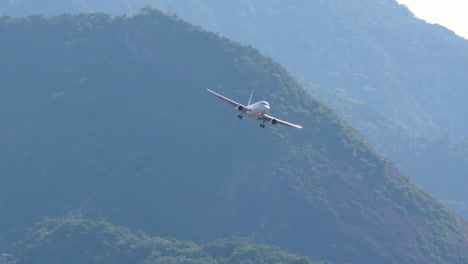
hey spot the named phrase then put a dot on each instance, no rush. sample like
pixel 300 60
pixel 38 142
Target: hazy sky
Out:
pixel 452 14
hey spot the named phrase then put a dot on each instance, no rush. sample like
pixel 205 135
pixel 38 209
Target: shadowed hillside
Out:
pixel 108 117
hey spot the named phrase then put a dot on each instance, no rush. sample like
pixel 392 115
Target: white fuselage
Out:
pixel 257 110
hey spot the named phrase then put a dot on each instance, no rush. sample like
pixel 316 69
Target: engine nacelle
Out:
pixel 239 108
pixel 273 122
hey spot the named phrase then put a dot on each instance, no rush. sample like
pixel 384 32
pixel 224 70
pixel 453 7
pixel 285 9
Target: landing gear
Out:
pixel 262 125
pixel 240 116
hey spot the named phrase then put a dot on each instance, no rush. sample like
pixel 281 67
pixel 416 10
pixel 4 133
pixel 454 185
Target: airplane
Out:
pixel 256 110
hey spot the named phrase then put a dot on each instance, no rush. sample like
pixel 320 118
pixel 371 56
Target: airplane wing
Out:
pixel 279 121
pixel 232 102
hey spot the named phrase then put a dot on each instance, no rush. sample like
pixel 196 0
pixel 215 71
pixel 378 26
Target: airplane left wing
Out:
pixel 274 121
pixel 234 103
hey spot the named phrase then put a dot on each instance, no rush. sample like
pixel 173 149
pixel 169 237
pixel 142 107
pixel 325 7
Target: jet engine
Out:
pixel 239 108
pixel 273 122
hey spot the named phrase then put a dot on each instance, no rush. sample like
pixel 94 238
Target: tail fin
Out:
pixel 250 99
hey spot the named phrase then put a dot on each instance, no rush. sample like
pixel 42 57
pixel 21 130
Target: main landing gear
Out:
pixel 262 125
pixel 240 116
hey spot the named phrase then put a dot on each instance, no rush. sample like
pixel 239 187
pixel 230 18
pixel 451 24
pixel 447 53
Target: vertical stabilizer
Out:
pixel 250 99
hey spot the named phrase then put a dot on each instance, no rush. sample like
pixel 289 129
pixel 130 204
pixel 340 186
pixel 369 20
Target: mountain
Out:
pixel 398 80
pixel 86 241
pixel 108 117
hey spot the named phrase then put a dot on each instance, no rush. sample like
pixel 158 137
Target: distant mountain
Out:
pixel 398 80
pixel 109 117
pixel 85 241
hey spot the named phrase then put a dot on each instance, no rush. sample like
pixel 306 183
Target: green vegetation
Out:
pixel 108 117
pixel 86 241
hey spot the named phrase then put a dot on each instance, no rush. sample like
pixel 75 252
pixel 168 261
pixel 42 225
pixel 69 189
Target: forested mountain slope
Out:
pixel 398 80
pixel 109 117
